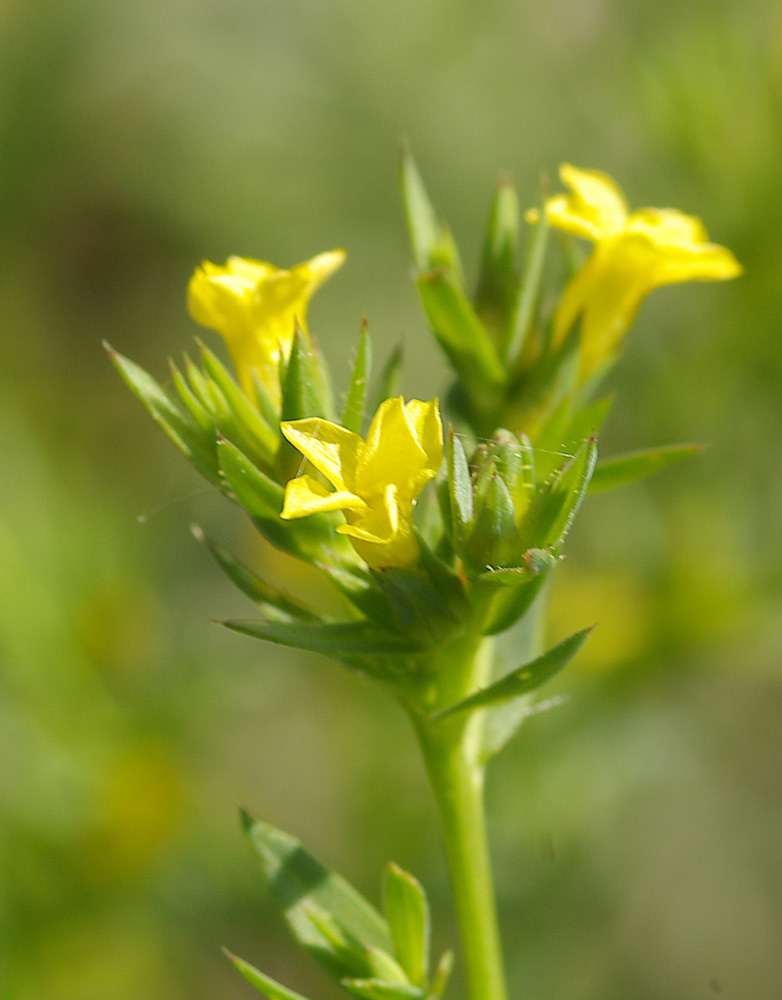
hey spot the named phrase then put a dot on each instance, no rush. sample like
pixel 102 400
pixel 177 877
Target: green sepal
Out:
pixel 390 379
pixel 248 581
pixel 495 295
pixel 303 390
pixel 207 402
pixel 441 976
pixel 565 431
pixel 461 335
pixel 263 983
pixel 194 406
pixel 407 913
pixel 459 490
pixel 252 489
pixel 494 538
pixel 262 433
pixel 637 465
pixel 332 638
pixel 445 581
pixel 313 538
pixel 553 508
pixel 304 887
pixel 353 412
pixel 196 445
pixel 526 305
pixel 378 989
pixel 521 681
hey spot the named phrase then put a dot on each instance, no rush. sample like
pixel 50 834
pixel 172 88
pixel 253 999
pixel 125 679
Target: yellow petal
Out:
pixel 305 495
pixel 255 307
pixel 333 450
pixel 595 210
pixel 401 449
pixel 384 537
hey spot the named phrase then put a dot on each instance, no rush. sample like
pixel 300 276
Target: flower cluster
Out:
pixel 428 576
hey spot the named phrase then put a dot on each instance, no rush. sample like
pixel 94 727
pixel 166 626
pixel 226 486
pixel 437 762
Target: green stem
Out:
pixel 452 752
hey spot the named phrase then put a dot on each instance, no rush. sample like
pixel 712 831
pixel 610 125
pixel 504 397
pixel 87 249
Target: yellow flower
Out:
pixel 376 482
pixel 255 307
pixel 634 253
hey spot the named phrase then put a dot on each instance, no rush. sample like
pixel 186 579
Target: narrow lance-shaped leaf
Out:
pixel 332 638
pixel 252 423
pixel 377 989
pixel 638 465
pixel 460 332
pixel 248 581
pixel 265 984
pixel 195 444
pixel 422 222
pixel 407 913
pixel 314 539
pixel 301 884
pixel 194 407
pixel 353 413
pixel 523 680
pixel 528 293
pixel 496 292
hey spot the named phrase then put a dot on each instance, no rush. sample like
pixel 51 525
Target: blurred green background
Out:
pixel 637 827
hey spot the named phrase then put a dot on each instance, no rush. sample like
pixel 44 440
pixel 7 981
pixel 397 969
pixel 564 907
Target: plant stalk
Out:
pixel 452 753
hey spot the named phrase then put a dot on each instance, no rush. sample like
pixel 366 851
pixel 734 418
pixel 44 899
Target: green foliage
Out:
pixel 372 956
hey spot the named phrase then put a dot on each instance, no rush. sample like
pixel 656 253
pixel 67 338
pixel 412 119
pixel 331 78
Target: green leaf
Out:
pixel 407 913
pixel 196 445
pixel 496 292
pixel 254 428
pixel 265 984
pixel 441 976
pixel 377 989
pixel 331 639
pixel 422 223
pixel 528 293
pixel 194 407
pixel 460 333
pixel 637 465
pixel 302 885
pixel 253 489
pixel 314 539
pixel 353 413
pixel 521 681
pixel 256 588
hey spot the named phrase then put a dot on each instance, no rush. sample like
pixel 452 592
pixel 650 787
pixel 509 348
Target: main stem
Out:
pixel 451 750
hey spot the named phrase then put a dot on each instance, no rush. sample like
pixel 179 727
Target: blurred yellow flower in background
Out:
pixel 376 481
pixel 634 253
pixel 255 307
